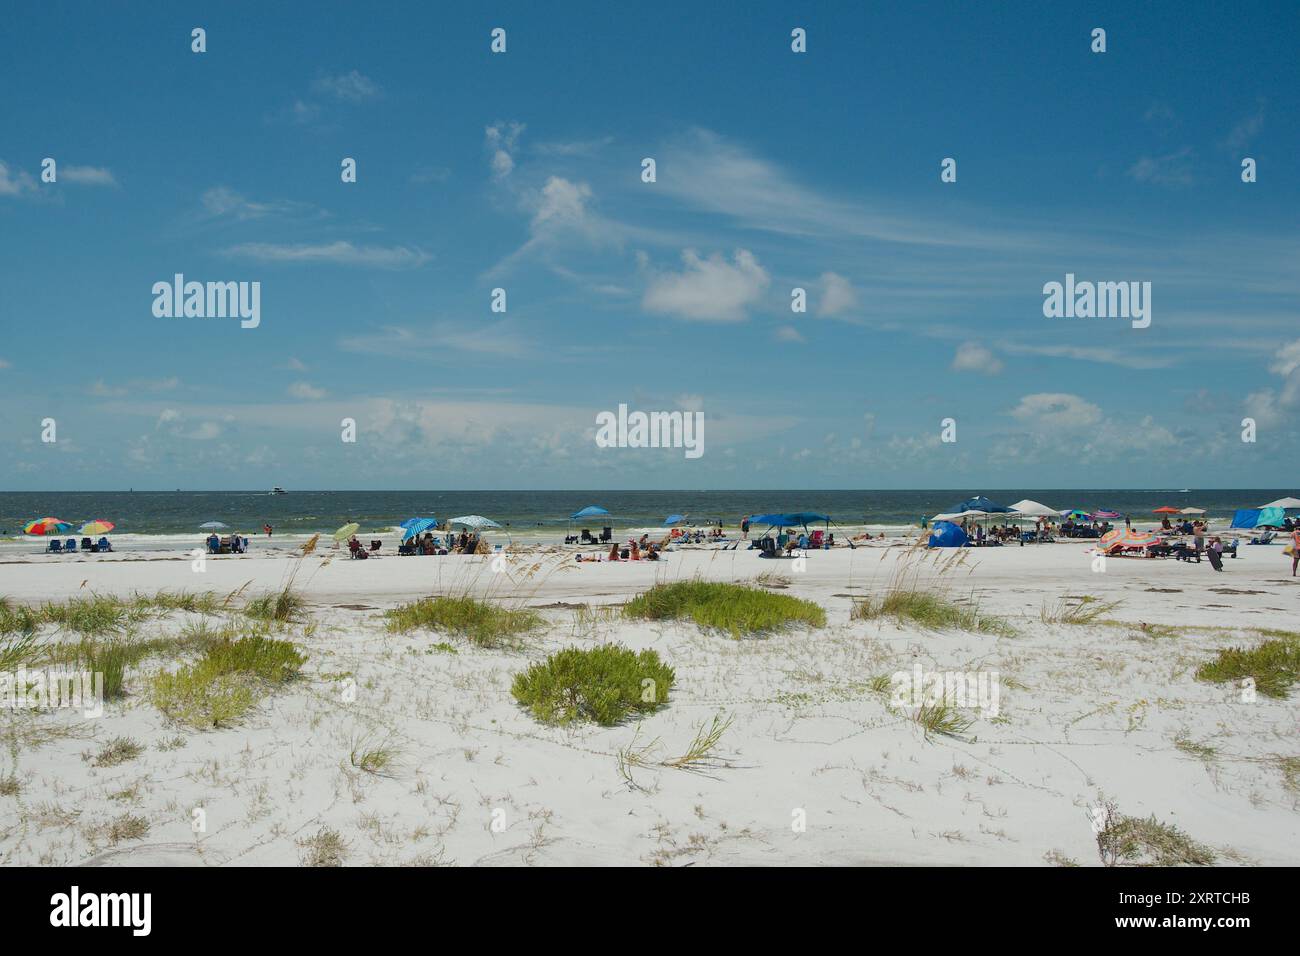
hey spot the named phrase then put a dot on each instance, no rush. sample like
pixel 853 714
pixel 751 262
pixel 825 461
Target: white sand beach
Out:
pixel 816 766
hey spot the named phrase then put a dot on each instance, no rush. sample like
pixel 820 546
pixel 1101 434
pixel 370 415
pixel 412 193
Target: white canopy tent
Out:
pixel 1033 509
pixel 1192 511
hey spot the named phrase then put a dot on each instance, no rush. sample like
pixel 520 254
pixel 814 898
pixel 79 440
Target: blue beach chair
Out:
pixel 70 546
pixel 56 546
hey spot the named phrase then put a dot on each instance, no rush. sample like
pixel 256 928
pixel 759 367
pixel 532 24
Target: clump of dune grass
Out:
pixel 1131 841
pixel 939 718
pixel 1087 611
pixel 128 826
pixel 1273 665
pixel 326 848
pixel 600 684
pixel 109 659
pixel 9 785
pixel 376 758
pixel 204 602
pixel 280 606
pixel 1290 767
pixel 93 615
pixel 226 682
pixel 736 609
pixel 932 610
pixel 116 751
pixel 480 622
pixel 17 651
pixel 17 619
pixel 1192 748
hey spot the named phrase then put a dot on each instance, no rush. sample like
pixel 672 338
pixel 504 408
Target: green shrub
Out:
pixel 734 608
pixel 1274 666
pixel 486 625
pixel 1132 841
pixel 602 684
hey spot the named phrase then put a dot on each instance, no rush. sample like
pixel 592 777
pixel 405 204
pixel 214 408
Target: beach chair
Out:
pixel 70 546
pixel 88 545
pixel 105 545
pixel 816 540
pixel 375 545
pixel 607 535
pixel 587 537
pixel 56 546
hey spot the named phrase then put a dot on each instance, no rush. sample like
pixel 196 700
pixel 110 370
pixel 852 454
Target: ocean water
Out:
pixel 543 515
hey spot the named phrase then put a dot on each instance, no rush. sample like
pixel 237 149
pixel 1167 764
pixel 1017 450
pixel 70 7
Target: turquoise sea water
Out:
pixel 545 513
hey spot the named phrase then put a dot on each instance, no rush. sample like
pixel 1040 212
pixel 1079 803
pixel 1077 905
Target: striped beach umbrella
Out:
pixel 98 526
pixel 1126 538
pixel 44 526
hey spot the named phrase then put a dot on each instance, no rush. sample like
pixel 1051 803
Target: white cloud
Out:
pixel 501 139
pixel 973 357
pixel 295 364
pixel 563 203
pixel 788 333
pixel 1056 410
pixel 336 253
pixel 352 86
pixel 1172 169
pixel 503 338
pixel 837 294
pixel 16 183
pixel 224 201
pixel 87 175
pixel 305 390
pixel 711 289
pixel 1086 353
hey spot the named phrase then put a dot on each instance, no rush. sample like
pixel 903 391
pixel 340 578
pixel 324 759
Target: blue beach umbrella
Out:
pixel 413 526
pixel 673 519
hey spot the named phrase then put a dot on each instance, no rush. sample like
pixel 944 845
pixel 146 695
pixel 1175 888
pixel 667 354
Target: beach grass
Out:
pixel 226 682
pixel 1273 665
pixel 117 751
pixel 932 610
pixel 480 622
pixel 941 719
pixel 599 684
pixel 735 608
pixel 280 606
pixel 17 618
pixel 1088 611
pixel 1133 841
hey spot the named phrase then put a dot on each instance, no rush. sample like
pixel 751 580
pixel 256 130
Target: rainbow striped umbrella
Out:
pixel 44 526
pixel 98 526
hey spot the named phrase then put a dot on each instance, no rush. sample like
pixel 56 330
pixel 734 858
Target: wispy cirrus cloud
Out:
pixel 351 87
pixel 333 253
pixel 504 338
pixel 224 202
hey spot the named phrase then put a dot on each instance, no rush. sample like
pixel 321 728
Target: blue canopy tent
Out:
pixel 979 503
pixel 673 519
pixel 794 519
pixel 591 511
pixel 945 534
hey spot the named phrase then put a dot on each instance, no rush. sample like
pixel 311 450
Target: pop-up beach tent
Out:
pixel 945 534
pixel 1259 518
pixel 793 519
pixel 1033 509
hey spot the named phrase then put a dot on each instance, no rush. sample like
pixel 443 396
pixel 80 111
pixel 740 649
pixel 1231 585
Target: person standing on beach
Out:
pixel 267 529
pixel 1295 550
pixel 1198 539
pixel 1215 553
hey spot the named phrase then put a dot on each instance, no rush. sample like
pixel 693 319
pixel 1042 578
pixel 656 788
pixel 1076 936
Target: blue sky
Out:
pixel 775 170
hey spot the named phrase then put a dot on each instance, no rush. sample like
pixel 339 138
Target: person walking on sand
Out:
pixel 1295 550
pixel 267 529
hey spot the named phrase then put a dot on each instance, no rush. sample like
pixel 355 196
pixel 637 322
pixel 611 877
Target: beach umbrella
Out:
pixel 1283 503
pixel 1074 513
pixel 1192 511
pixel 673 519
pixel 347 531
pixel 1105 514
pixel 1126 538
pixel 413 526
pixel 591 511
pixel 98 526
pixel 475 521
pixel 1166 510
pixel 43 526
pixel 213 526
pixel 980 503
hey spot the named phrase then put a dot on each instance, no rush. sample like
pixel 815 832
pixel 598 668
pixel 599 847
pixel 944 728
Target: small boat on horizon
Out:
pixel 277 490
